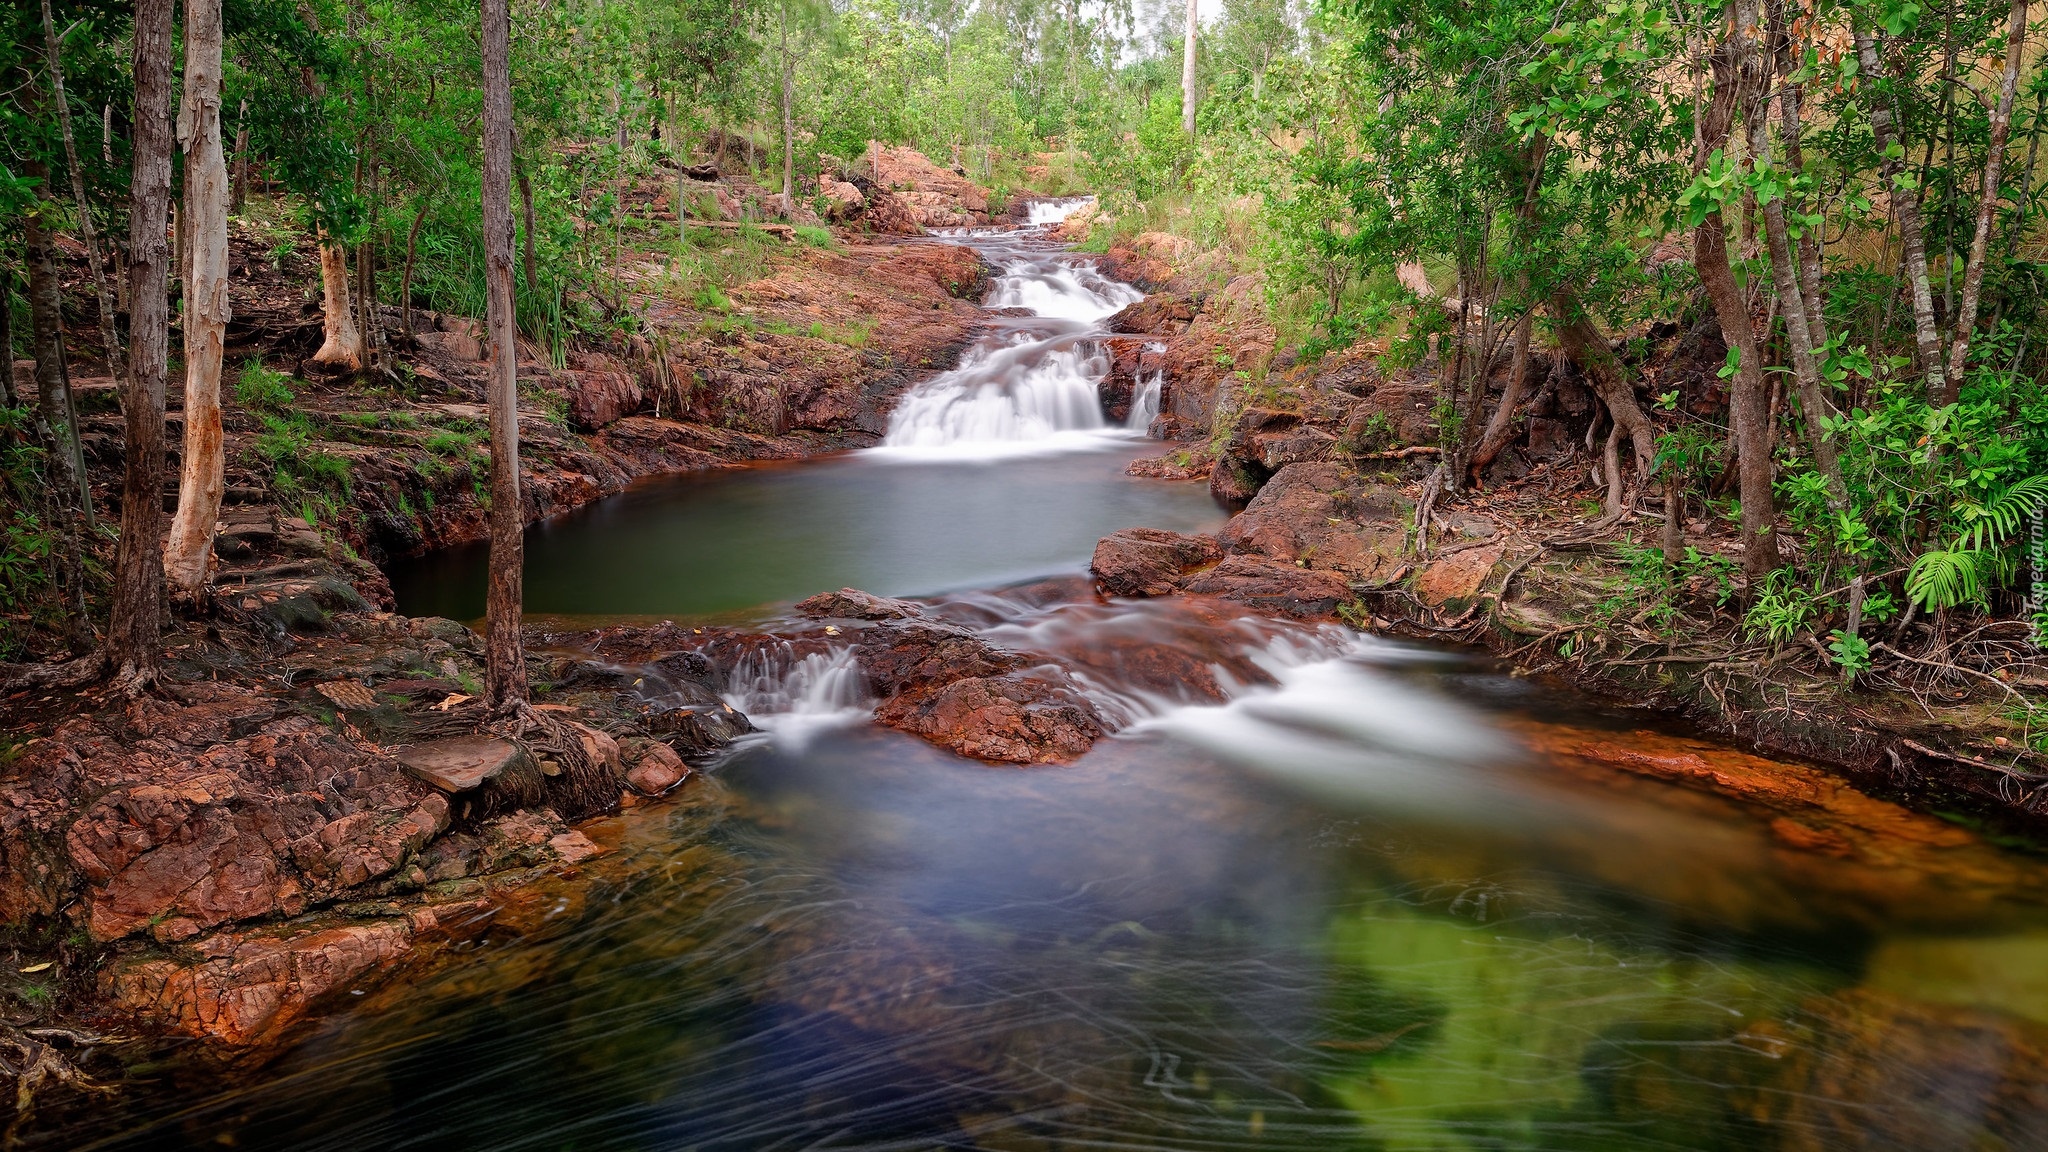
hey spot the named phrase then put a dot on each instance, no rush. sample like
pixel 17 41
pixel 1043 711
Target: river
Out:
pixel 1384 898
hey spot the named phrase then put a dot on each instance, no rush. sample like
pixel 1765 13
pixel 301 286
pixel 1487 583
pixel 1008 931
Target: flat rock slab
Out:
pixel 460 763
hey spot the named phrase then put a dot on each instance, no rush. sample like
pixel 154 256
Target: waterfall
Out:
pixel 1145 402
pixel 794 697
pixel 1031 384
pixel 1044 212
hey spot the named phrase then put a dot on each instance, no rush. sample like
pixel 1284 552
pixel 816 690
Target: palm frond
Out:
pixel 1944 578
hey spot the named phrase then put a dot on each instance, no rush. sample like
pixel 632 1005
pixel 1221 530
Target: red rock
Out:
pixel 1149 561
pixel 251 989
pixel 1457 577
pixel 361 847
pixel 1157 314
pixel 1017 719
pixel 574 847
pixel 1275 587
pixel 901 657
pixel 460 763
pixel 600 393
pixel 854 604
pixel 655 767
pixel 1325 515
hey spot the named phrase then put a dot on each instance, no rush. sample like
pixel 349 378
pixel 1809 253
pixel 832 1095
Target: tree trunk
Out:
pixel 1674 520
pixel 1187 73
pixel 1589 349
pixel 58 425
pixel 238 197
pixel 7 397
pixel 1500 429
pixel 1792 299
pixel 344 343
pixel 526 240
pixel 1749 403
pixel 53 380
pixel 1987 200
pixel 504 661
pixel 54 55
pixel 190 547
pixel 135 632
pixel 412 236
pixel 1940 392
pixel 788 117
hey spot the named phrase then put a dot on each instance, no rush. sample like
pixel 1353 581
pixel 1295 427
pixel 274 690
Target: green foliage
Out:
pixel 261 389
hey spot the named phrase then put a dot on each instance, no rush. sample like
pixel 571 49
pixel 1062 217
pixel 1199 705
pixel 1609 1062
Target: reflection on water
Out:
pixel 862 942
pixel 693 545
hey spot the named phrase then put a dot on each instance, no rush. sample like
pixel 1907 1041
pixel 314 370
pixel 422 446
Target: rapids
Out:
pixel 1319 890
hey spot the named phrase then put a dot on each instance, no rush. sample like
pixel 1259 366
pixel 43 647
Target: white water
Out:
pixel 794 698
pixel 1054 211
pixel 1032 384
pixel 1145 402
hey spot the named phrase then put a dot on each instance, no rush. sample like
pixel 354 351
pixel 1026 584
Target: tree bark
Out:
pixel 1187 73
pixel 1987 200
pixel 1940 391
pixel 134 635
pixel 190 546
pixel 53 380
pixel 70 500
pixel 1749 402
pixel 1500 429
pixel 344 342
pixel 1792 299
pixel 238 198
pixel 109 335
pixel 505 662
pixel 788 117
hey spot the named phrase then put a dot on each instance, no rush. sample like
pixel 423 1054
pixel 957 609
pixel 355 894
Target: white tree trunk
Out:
pixel 190 545
pixel 1187 75
pixel 344 343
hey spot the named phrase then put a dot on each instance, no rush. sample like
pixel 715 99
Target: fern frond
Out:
pixel 1944 578
pixel 2001 515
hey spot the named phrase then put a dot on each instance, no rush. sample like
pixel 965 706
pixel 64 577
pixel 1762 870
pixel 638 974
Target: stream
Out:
pixel 1383 898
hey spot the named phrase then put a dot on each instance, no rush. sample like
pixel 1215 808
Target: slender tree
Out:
pixel 134 635
pixel 53 51
pixel 505 663
pixel 1987 200
pixel 205 221
pixel 1187 72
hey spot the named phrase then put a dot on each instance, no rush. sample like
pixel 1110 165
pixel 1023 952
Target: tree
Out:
pixel 205 221
pixel 1187 72
pixel 504 660
pixel 137 621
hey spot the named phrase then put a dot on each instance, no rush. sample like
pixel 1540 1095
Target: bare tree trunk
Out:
pixel 190 547
pixel 54 55
pixel 1940 391
pixel 238 198
pixel 1749 403
pixel 412 236
pixel 1987 200
pixel 1790 96
pixel 135 632
pixel 58 422
pixel 1674 519
pixel 1187 73
pixel 7 397
pixel 788 117
pixel 505 661
pixel 344 343
pixel 1500 429
pixel 53 380
pixel 1793 303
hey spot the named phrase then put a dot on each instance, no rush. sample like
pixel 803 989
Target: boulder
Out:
pixel 1455 579
pixel 601 392
pixel 1160 314
pixel 1275 587
pixel 654 768
pixel 854 604
pixel 459 763
pixel 1325 515
pixel 1149 561
pixel 1026 718
pixel 843 201
pixel 912 656
pixel 248 990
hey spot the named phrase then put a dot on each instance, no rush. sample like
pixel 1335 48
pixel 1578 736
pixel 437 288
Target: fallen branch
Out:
pixel 1399 453
pixel 75 673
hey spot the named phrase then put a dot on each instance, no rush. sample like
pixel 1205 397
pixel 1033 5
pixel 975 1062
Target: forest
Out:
pixel 1682 362
pixel 1844 198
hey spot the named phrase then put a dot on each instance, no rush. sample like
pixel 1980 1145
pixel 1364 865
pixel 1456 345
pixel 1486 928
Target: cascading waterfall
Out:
pixel 1031 385
pixel 1145 401
pixel 794 697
